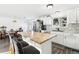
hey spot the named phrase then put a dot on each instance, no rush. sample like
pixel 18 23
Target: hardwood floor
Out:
pixel 4 45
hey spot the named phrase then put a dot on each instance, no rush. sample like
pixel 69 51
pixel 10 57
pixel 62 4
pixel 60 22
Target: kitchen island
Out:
pixel 40 40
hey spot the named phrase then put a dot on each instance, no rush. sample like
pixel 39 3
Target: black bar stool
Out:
pixel 30 50
pixel 20 45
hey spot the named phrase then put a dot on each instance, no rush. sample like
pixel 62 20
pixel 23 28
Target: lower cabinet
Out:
pixel 60 49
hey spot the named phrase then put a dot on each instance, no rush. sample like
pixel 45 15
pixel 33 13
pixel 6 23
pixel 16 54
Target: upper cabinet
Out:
pixel 46 20
pixel 77 14
pixel 71 16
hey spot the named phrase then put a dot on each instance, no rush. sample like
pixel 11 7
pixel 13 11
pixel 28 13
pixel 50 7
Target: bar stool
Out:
pixel 20 45
pixel 30 50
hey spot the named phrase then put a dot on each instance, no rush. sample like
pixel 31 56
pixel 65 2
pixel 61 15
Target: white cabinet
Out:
pixel 77 15
pixel 71 16
pixel 47 20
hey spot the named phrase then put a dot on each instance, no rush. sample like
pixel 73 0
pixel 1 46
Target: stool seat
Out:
pixel 30 50
pixel 20 45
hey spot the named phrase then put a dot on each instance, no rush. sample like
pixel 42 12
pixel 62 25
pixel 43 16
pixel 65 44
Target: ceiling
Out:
pixel 30 10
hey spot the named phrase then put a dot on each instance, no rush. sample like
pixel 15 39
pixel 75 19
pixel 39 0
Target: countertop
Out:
pixel 67 39
pixel 39 37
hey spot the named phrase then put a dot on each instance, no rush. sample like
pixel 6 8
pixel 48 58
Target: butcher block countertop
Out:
pixel 39 37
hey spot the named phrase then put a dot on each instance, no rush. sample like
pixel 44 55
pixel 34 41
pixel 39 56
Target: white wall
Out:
pixel 8 22
pixel 29 22
pixel 26 23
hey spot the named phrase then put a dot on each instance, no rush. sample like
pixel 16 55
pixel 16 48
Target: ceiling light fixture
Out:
pixel 49 5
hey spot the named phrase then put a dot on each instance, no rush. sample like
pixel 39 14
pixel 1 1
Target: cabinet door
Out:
pixel 71 16
pixel 60 49
pixel 77 15
pixel 47 21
